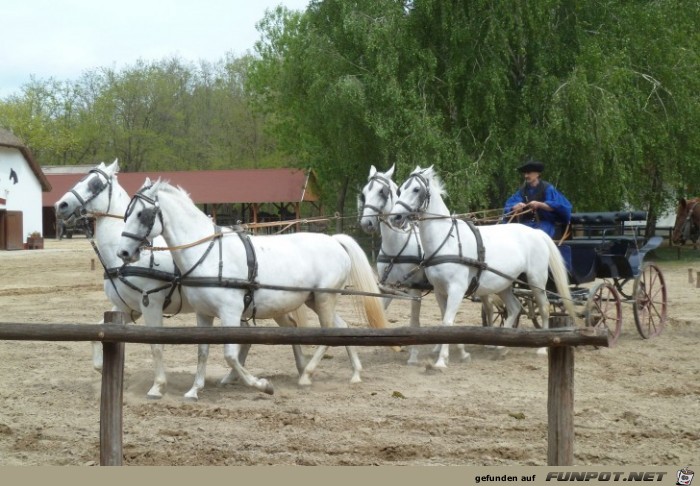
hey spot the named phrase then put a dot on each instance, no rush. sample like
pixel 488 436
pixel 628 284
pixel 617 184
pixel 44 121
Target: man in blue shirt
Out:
pixel 538 203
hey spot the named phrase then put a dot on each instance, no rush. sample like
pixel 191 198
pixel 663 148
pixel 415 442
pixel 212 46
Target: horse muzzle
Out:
pixel 129 257
pixel 398 220
pixel 369 225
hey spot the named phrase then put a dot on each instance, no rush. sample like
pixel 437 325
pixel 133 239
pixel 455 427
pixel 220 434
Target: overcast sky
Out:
pixel 61 39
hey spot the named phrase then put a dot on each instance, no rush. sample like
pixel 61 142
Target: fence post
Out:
pixel 111 427
pixel 560 403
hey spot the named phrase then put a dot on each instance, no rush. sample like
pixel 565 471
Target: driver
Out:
pixel 538 203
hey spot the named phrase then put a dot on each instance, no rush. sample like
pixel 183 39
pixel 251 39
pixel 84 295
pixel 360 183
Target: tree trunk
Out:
pixel 340 205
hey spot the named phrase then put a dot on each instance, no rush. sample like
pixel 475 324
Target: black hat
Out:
pixel 531 165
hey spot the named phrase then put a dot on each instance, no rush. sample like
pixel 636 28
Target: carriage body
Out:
pixel 605 259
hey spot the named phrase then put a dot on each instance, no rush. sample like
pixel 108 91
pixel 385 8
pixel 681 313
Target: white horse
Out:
pixel 147 286
pixel 401 253
pixel 234 276
pixel 455 267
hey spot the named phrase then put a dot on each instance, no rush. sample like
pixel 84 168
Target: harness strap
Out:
pixel 252 262
pixel 479 263
pixel 114 286
pixel 398 258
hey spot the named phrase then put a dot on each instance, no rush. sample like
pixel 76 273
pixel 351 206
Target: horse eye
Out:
pixel 95 185
pixel 362 198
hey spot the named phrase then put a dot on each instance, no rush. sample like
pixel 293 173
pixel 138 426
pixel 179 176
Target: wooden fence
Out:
pixel 114 334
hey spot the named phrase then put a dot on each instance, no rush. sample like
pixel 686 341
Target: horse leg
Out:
pixel 414 323
pixel 440 299
pixel 232 376
pixel 543 306
pixel 451 306
pixel 513 307
pixel 324 306
pixel 232 353
pixel 153 316
pixel 202 355
pixel 287 321
pixel 352 352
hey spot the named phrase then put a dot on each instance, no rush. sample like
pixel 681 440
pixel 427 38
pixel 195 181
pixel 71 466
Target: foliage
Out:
pixel 604 92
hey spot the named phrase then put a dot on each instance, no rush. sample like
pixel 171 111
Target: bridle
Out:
pixel 386 193
pixel 424 198
pixel 96 187
pixel 147 216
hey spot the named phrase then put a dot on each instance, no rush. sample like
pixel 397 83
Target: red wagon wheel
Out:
pixel 604 310
pixel 650 301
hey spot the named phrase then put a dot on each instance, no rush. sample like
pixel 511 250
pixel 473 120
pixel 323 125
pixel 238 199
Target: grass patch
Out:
pixel 673 254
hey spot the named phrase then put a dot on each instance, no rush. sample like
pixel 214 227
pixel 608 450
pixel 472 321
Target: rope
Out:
pixel 98 214
pixel 187 245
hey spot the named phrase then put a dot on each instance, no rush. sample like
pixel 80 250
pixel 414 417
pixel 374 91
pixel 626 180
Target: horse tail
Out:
pixel 560 275
pixel 364 279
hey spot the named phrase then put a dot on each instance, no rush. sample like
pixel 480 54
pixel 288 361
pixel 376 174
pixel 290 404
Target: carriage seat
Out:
pixel 584 258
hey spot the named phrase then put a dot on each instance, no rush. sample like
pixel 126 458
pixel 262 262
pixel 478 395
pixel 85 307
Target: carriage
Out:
pixel 605 260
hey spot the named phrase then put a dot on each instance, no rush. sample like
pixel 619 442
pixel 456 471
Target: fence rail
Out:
pixel 114 334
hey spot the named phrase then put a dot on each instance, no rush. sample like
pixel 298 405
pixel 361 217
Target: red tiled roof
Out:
pixel 212 186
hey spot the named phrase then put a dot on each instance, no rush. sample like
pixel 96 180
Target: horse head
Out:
pixel 376 198
pixel 414 195
pixel 687 222
pixel 92 194
pixel 143 221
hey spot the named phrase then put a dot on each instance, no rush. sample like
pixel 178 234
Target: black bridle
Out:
pixel 385 192
pixel 424 198
pixel 96 186
pixel 147 217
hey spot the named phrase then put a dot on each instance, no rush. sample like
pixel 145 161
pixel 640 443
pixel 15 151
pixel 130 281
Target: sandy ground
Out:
pixel 637 403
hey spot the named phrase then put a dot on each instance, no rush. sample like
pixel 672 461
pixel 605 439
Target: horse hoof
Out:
pixel 191 396
pixel 542 352
pixel 466 358
pixel 355 379
pixel 440 364
pixel 304 381
pixel 153 396
pixel 268 388
pixel 412 362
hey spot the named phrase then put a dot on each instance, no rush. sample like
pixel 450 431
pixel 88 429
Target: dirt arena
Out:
pixel 637 403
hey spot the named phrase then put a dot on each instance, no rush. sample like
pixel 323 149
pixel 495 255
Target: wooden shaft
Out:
pixel 560 405
pixel 400 336
pixel 111 427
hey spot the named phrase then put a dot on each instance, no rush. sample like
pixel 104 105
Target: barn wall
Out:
pixel 26 194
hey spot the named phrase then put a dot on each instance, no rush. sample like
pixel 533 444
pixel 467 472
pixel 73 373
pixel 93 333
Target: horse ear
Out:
pixel 390 172
pixel 682 202
pixel 115 166
pixel 146 183
pixel 372 171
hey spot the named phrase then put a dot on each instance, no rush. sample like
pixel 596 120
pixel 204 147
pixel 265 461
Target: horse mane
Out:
pixel 161 185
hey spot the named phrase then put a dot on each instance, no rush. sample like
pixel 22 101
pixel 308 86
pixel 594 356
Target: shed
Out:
pixel 229 196
pixel 22 183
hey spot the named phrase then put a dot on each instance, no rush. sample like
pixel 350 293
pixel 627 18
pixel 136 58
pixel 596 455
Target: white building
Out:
pixel 21 185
